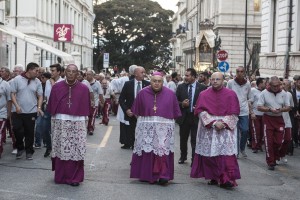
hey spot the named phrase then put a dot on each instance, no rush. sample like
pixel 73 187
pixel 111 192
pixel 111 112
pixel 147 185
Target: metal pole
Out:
pixel 25 53
pixel 245 47
pixel 16 39
pixel 192 44
pixel 287 56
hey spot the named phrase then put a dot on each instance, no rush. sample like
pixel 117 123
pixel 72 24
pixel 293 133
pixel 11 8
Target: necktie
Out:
pixel 104 91
pixel 138 88
pixel 190 97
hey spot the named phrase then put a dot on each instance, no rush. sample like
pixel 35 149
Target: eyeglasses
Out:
pixel 275 86
pixel 239 71
pixel 216 79
pixel 156 81
pixel 71 71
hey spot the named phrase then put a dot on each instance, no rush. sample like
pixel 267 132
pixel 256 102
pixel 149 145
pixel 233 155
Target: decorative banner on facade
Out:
pixel 63 32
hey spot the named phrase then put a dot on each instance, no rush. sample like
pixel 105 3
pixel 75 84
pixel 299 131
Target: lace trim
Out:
pixel 214 143
pixel 68 139
pixel 154 134
pixel 69 117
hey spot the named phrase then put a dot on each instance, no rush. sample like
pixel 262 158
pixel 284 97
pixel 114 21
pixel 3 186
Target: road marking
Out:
pixel 105 138
pixel 92 165
pixel 24 194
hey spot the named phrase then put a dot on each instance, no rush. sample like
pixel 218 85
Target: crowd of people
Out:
pixel 57 108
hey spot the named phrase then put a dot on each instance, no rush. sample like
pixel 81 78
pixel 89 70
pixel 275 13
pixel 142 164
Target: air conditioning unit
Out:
pixel 178 59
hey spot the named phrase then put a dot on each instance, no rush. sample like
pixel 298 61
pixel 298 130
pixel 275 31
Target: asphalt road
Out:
pixel 107 168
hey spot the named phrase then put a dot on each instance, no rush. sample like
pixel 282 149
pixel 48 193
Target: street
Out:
pixel 107 169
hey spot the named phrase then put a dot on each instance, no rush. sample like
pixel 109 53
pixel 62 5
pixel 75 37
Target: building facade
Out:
pixel 36 19
pixel 280 39
pixel 222 21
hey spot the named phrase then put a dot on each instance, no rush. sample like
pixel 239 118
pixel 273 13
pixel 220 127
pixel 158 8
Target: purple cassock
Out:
pixel 215 150
pixel 153 153
pixel 69 107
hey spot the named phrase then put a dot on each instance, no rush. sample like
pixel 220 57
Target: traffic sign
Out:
pixel 106 57
pixel 105 60
pixel 105 65
pixel 223 66
pixel 222 55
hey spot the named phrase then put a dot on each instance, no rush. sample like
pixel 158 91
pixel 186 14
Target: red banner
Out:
pixel 63 32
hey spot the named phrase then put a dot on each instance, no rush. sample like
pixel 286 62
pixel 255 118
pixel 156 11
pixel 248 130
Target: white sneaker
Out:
pixel 283 160
pixel 14 151
pixel 244 154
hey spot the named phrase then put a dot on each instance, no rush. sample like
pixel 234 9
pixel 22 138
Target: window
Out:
pixel 257 5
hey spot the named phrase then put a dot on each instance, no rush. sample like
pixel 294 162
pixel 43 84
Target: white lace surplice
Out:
pixel 154 134
pixel 68 137
pixel 214 143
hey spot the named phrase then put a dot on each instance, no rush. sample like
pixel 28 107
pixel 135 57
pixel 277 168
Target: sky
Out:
pixel 168 4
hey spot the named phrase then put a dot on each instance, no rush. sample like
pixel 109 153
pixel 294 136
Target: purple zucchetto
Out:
pixel 157 74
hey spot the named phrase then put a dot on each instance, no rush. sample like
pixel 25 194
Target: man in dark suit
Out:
pixel 187 94
pixel 127 96
pixel 295 118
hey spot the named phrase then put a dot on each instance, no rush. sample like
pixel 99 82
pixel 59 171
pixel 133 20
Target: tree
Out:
pixel 253 47
pixel 132 32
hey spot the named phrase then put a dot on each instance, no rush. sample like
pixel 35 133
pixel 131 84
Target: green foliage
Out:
pixel 133 32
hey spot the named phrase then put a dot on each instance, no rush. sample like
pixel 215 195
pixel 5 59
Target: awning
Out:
pixel 66 58
pixel 209 36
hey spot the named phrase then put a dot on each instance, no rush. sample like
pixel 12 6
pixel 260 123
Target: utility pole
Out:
pixel 245 47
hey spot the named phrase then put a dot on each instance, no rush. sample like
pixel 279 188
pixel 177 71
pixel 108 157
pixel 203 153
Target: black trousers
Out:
pixel 130 133
pixel 188 127
pixel 122 133
pixel 23 128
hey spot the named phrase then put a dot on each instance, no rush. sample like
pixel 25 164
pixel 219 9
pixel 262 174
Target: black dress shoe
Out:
pixel 163 181
pixel 271 167
pixel 74 184
pixel 47 153
pixel 125 147
pixel 226 185
pixel 212 182
pixel 181 160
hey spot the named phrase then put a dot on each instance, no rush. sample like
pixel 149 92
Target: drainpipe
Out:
pixel 287 55
pixel 16 39
pixel 245 38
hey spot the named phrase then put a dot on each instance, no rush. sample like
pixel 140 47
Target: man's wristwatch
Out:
pixel 214 124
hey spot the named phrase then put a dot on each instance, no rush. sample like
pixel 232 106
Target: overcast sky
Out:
pixel 168 4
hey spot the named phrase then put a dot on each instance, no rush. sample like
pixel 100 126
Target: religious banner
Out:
pixel 63 32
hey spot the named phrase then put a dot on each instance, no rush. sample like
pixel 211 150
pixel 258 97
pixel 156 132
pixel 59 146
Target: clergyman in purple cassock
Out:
pixel 153 153
pixel 69 108
pixel 216 148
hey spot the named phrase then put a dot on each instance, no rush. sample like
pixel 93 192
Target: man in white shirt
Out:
pixel 98 96
pixel 273 102
pixel 56 70
pixel 242 89
pixel 172 84
pixel 256 123
pixel 108 94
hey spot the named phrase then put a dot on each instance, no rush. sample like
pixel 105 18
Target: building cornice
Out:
pixel 229 26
